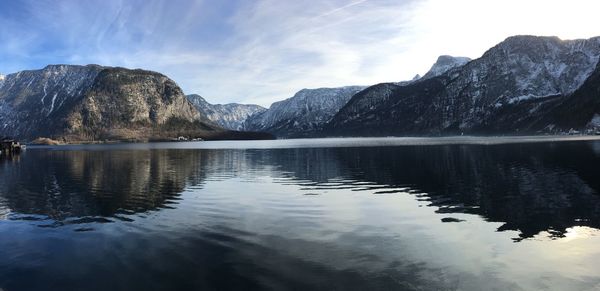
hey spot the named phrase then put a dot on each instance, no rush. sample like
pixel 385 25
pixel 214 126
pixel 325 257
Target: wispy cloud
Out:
pixel 265 50
pixel 333 11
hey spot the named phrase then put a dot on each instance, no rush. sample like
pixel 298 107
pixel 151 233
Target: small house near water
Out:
pixel 10 146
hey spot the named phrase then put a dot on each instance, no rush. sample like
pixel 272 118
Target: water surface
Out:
pixel 357 214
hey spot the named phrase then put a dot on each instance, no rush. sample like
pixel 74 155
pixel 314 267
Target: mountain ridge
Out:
pixel 230 116
pixel 302 114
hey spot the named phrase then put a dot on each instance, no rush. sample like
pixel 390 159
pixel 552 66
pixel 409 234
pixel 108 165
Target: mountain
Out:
pixel 230 116
pixel 442 65
pixel 90 103
pixel 472 97
pixel 303 114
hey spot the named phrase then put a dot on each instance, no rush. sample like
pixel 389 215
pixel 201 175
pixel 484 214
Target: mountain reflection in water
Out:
pixel 288 204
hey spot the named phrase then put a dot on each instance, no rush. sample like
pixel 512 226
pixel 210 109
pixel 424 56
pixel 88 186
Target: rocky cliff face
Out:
pixel 468 97
pixel 230 116
pixel 134 103
pixel 81 103
pixel 303 114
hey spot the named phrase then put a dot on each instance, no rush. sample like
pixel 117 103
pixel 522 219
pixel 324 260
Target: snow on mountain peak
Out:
pixel 445 63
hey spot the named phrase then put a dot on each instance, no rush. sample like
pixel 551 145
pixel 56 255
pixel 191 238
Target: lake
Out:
pixel 461 213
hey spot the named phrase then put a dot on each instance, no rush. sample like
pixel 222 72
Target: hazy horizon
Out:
pixel 265 51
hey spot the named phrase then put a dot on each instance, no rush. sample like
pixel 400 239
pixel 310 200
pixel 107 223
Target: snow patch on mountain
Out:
pixel 595 122
pixel 52 105
pixel 528 97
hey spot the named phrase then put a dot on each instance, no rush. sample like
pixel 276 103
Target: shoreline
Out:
pixel 329 142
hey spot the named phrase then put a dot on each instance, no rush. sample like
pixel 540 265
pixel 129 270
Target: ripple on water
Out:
pixel 345 218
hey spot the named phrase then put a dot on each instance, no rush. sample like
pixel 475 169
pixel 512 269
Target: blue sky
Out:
pixel 261 51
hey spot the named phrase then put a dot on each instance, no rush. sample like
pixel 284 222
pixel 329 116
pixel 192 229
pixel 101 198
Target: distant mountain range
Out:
pixel 523 85
pixel 304 114
pixel 230 116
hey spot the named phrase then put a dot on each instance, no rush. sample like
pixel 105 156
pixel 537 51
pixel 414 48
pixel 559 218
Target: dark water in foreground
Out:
pixel 410 217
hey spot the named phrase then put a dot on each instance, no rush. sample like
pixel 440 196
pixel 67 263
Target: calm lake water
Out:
pixel 352 214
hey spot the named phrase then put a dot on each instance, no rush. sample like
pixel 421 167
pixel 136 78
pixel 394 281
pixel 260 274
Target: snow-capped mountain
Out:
pixel 230 116
pixel 304 113
pixel 463 99
pixel 444 64
pixel 75 103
